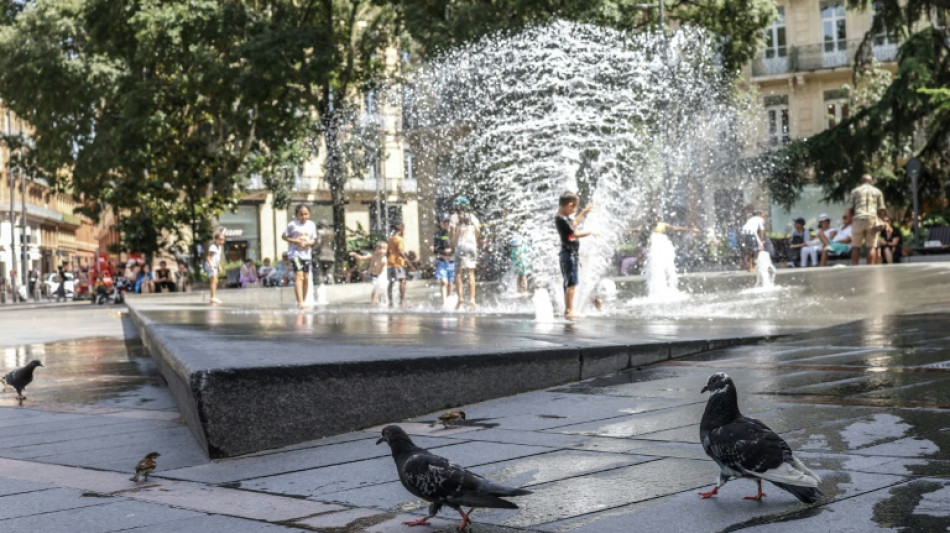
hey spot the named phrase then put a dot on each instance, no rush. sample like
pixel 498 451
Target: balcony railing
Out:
pixel 811 57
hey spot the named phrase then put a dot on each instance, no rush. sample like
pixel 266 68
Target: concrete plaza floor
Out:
pixel 865 401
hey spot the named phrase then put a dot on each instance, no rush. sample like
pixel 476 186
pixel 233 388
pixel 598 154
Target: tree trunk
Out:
pixel 336 180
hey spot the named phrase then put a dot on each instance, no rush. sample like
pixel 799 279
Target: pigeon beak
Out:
pixel 381 439
pixel 706 388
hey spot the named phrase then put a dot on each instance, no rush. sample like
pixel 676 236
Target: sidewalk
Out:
pixel 865 404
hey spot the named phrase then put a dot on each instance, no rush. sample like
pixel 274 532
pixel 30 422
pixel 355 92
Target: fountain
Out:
pixel 633 122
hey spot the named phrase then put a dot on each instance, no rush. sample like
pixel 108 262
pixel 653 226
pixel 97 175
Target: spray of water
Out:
pixel 635 123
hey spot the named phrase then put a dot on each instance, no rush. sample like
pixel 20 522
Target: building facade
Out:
pixel 38 230
pixel 803 75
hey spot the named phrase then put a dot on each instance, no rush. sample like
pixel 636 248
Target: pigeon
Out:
pixel 20 378
pixel 145 467
pixel 439 482
pixel 449 419
pixel 745 447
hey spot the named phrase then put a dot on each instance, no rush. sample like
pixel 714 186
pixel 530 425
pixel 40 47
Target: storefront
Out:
pixel 242 233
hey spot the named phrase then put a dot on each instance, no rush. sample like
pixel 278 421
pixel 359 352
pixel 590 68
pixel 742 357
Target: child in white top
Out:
pixel 302 235
pixel 213 264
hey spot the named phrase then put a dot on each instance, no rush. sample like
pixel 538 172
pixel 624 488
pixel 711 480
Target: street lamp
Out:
pixel 913 170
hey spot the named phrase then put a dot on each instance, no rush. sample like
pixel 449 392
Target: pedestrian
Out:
pixel 212 264
pixel 465 235
pixel 397 261
pixel 181 276
pixel 753 238
pixel 249 274
pixel 797 243
pixel 567 226
pixel 890 242
pixel 302 235
pixel 377 266
pixel 444 260
pixel 867 208
pixel 325 253
pixel 163 278
pixel 61 287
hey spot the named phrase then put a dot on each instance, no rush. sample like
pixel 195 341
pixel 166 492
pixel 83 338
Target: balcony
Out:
pixel 811 57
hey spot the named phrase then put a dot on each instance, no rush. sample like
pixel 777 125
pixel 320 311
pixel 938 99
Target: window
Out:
pixel 836 108
pixel 834 35
pixel 776 116
pixel 392 213
pixel 371 101
pixel 775 45
pixel 884 41
pixel 407 162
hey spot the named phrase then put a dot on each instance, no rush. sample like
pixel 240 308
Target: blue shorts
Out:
pixel 445 270
pixel 569 265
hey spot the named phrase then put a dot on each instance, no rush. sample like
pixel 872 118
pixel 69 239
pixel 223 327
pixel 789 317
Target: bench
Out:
pixel 936 234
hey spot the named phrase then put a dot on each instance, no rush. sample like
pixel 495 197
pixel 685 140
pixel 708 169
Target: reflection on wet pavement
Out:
pixel 98 402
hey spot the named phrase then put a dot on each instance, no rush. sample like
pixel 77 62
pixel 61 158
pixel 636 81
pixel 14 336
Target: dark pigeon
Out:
pixel 745 447
pixel 436 480
pixel 20 378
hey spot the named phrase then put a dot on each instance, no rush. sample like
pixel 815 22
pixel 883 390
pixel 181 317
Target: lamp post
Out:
pixel 913 170
pixel 24 232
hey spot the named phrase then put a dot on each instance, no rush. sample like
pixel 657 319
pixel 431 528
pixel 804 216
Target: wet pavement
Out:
pixel 865 403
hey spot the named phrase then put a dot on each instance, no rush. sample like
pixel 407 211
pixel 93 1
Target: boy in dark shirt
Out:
pixel 566 225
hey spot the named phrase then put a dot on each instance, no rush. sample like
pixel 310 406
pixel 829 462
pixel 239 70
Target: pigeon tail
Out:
pixel 804 494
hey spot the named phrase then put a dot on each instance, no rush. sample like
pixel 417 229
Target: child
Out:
pixel 213 264
pixel 570 247
pixel 520 263
pixel 377 265
pixel 398 261
pixel 444 263
pixel 301 234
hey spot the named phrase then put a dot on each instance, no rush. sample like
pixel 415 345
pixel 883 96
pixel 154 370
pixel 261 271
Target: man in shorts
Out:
pixel 868 209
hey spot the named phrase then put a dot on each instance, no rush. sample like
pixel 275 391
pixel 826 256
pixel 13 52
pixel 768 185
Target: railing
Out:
pixel 815 57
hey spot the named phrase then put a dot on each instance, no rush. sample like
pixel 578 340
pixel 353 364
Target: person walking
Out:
pixel 212 264
pixel 867 208
pixel 753 238
pixel 466 233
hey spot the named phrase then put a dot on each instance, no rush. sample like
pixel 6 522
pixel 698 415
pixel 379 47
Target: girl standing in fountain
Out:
pixel 570 247
pixel 301 234
pixel 465 235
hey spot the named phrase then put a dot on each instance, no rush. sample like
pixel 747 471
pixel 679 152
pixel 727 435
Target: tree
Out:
pixel 441 24
pixel 150 106
pixel 908 118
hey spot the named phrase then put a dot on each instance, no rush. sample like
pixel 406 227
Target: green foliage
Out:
pixel 442 24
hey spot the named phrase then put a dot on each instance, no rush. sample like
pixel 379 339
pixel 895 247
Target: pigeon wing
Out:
pixel 749 446
pixel 435 479
pixel 430 477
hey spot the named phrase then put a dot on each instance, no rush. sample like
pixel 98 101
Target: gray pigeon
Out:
pixel 745 447
pixel 436 480
pixel 20 378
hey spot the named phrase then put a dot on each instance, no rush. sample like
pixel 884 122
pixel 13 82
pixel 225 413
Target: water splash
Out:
pixel 634 122
pixel 321 296
pixel 764 271
pixel 660 269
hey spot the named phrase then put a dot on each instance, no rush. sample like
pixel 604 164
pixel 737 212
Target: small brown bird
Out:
pixel 450 419
pixel 145 466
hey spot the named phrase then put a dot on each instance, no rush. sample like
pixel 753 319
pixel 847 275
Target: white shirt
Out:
pixel 215 252
pixel 843 234
pixel 754 225
pixel 466 237
pixel 296 229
